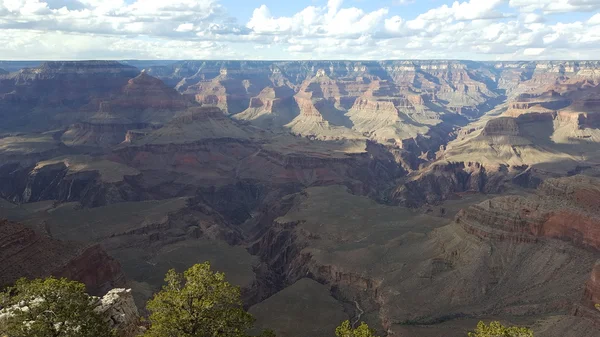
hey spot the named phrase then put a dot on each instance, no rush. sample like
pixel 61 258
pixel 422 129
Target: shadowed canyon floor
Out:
pixel 418 196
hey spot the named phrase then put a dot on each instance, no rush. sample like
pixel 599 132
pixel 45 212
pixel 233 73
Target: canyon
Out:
pixel 418 196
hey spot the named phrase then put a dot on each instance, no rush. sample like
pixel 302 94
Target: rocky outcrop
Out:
pixel 565 209
pixel 121 312
pixel 26 253
pixel 117 307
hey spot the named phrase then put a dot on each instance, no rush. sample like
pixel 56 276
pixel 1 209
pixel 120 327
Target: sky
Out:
pixel 299 29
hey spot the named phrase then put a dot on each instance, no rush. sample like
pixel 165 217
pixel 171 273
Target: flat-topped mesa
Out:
pixel 501 126
pixel 565 208
pixel 71 77
pixel 26 253
pixel 203 113
pixel 549 101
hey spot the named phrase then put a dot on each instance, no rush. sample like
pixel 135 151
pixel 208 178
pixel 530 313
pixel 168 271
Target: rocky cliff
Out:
pixel 564 209
pixel 53 94
pixel 513 256
pixel 26 253
pixel 91 181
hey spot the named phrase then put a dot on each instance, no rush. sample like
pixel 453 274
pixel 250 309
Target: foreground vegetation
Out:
pixel 50 308
pixel 496 329
pixel 198 302
pixel 195 303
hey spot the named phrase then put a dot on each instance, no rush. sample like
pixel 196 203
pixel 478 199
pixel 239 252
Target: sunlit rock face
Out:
pixel 337 183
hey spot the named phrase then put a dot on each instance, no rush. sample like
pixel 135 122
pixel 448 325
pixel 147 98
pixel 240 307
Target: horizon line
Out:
pixel 301 60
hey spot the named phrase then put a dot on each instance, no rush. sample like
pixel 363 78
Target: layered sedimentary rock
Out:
pixel 189 184
pixel 144 102
pixel 90 181
pixel 525 257
pixel 564 209
pixel 231 90
pixel 52 94
pixel 444 180
pixel 216 150
pixel 273 107
pixel 549 133
pixel 26 253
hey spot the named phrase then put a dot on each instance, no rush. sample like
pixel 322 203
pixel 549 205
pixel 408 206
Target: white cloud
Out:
pixel 556 6
pixel 594 20
pixel 469 29
pixel 331 20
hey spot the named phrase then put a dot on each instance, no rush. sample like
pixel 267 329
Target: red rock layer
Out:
pixel 566 209
pixel 146 92
pixel 25 253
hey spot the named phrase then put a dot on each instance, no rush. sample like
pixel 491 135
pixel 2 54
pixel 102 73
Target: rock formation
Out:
pixel 316 178
pixel 26 253
pixel 506 256
pixel 121 312
pixel 90 181
pixel 118 307
pixel 144 102
pixel 273 107
pixel 51 95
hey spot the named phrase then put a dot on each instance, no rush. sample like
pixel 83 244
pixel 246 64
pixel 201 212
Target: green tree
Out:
pixel 50 308
pixel 346 330
pixel 496 329
pixel 197 303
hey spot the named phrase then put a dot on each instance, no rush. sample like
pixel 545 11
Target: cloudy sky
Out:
pixel 299 29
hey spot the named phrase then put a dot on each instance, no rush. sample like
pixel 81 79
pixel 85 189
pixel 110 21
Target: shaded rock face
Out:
pixel 102 134
pixel 504 126
pixel 26 253
pixel 55 182
pixel 445 180
pixel 58 87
